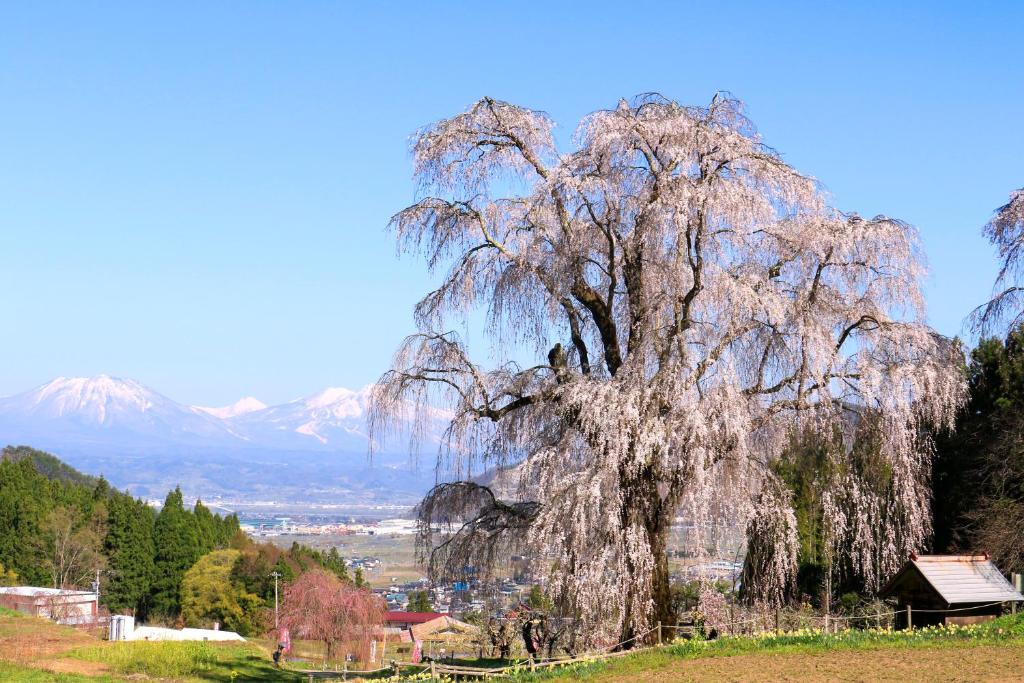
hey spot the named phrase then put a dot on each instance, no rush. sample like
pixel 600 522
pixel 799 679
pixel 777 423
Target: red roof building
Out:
pixel 405 620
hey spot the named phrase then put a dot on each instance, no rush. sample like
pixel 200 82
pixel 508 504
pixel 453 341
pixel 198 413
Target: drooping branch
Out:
pixel 690 299
pixel 1005 310
pixel 462 524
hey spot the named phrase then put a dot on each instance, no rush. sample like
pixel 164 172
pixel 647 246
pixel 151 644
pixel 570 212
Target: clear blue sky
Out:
pixel 195 194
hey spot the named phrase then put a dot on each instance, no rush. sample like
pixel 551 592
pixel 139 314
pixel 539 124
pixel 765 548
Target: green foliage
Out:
pixel 27 498
pixel 809 467
pixel 146 554
pixel 177 548
pixel 71 545
pixel 258 561
pixel 8 577
pixel 538 600
pixel 979 469
pixel 209 595
pixel 48 465
pixel 130 550
pixel 419 601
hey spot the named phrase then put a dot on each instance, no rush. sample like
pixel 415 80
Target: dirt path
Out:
pixel 982 663
pixel 39 643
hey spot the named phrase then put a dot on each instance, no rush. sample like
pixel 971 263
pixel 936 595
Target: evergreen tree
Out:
pixel 335 563
pixel 419 601
pixel 26 497
pixel 208 532
pixel 979 469
pixel 177 549
pixel 101 491
pixel 130 548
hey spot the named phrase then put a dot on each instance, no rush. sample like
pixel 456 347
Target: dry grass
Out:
pixel 31 641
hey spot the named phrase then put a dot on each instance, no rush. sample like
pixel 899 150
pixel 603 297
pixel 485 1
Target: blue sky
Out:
pixel 195 194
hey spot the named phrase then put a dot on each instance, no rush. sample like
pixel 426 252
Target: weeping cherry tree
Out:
pixel 690 300
pixel 1006 232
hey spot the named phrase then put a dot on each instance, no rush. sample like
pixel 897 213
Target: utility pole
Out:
pixel 276 574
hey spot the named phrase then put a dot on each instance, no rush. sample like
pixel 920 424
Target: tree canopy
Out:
pixel 691 299
pixel 209 595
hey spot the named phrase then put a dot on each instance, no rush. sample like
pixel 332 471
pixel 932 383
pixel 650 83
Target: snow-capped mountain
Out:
pixel 239 407
pixel 334 418
pixel 105 409
pixel 129 432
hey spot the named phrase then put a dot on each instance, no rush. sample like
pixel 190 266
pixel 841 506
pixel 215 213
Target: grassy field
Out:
pixel 33 650
pixel 992 651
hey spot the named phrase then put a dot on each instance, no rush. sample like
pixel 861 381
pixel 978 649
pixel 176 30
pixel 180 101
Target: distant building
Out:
pixel 949 589
pixel 61 605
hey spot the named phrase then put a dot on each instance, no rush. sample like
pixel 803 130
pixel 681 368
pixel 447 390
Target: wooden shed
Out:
pixel 949 589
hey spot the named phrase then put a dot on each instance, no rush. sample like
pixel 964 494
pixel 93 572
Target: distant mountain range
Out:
pixel 313 448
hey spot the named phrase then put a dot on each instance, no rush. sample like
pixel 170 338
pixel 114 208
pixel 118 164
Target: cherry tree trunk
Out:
pixel 647 510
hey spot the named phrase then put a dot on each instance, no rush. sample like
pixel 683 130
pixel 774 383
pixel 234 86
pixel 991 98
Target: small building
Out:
pixel 406 620
pixel 949 589
pixel 58 604
pixel 443 628
pixel 124 628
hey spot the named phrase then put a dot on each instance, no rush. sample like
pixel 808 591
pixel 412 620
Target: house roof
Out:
pixel 411 617
pixel 958 579
pixel 442 625
pixel 36 592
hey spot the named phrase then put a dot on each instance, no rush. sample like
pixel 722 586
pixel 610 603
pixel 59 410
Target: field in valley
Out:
pixel 395 551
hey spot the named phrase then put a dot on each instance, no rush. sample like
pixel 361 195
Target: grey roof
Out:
pixel 965 578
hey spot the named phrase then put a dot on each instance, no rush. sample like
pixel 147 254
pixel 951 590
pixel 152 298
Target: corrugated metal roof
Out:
pixel 965 578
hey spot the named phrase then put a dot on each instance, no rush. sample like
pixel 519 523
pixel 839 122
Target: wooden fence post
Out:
pixel 659 632
pixel 910 618
pixel 433 670
pixel 777 632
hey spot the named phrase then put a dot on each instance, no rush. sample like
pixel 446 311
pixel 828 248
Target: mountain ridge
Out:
pixel 140 437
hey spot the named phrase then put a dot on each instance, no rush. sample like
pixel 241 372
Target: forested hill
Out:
pixel 58 527
pixel 48 465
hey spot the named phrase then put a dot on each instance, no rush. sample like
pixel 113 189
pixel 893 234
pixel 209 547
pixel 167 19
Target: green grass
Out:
pixel 186 661
pixel 1004 631
pixel 21 674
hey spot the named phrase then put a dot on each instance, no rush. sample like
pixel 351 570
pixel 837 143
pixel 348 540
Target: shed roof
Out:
pixel 959 579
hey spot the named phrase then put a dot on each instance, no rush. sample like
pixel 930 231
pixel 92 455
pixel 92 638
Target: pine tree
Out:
pixel 207 527
pixel 25 499
pixel 130 548
pixel 102 489
pixel 177 549
pixel 419 601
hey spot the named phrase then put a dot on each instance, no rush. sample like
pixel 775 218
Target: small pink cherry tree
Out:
pixel 319 606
